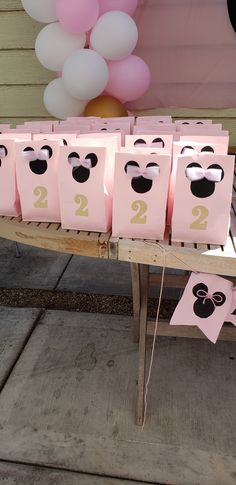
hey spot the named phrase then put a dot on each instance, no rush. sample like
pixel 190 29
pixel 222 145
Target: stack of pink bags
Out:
pixel 136 176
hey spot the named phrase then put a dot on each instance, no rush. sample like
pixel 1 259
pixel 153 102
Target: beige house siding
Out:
pixel 23 79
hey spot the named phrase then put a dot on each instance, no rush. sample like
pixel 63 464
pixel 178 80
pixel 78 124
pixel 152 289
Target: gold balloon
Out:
pixel 105 107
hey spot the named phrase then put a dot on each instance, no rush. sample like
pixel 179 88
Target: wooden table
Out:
pixel 140 254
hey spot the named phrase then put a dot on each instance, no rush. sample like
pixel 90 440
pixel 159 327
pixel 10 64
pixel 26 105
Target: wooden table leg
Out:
pixel 142 344
pixel 135 278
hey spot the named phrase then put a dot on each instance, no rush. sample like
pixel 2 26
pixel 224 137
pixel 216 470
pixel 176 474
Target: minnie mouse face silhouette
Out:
pixel 206 303
pixel 203 181
pixel 141 181
pixel 3 153
pixel 38 160
pixel 81 167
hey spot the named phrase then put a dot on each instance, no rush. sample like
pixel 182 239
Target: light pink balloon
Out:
pixel 128 6
pixel 129 78
pixel 77 16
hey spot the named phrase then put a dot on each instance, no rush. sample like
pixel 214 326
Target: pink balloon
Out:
pixel 77 16
pixel 128 6
pixel 129 78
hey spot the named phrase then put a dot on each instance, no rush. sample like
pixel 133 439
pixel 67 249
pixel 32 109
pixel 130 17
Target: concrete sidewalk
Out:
pixel 69 402
pixel 44 269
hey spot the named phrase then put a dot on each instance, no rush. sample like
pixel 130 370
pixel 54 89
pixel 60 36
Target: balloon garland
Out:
pixel 89 44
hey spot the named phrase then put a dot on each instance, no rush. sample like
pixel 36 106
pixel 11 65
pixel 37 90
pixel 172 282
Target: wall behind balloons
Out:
pixel 23 79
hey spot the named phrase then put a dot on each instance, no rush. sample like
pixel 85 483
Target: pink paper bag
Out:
pixel 206 303
pixel 4 127
pixel 85 200
pixel 153 119
pixel 194 144
pixel 202 198
pixel 9 197
pixel 103 135
pixel 214 129
pixel 194 122
pixel 40 126
pixel 157 128
pixel 65 138
pixel 111 144
pixel 36 170
pixel 16 136
pixel 140 195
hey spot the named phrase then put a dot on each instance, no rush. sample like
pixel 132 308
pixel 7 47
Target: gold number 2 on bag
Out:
pixel 201 213
pixel 141 208
pixel 41 193
pixel 82 201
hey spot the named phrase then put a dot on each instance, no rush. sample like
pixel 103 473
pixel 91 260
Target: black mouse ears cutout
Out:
pixel 132 163
pixel 206 302
pixel 156 141
pixel 201 291
pixel 208 148
pixel 140 141
pixel 38 158
pixel 232 12
pixel 90 160
pixel 203 181
pixel 141 180
pixel 186 150
pixel 3 152
pixel 214 173
pixel 44 153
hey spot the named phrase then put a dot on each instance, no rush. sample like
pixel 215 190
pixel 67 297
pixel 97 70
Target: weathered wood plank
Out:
pixel 189 112
pixel 147 252
pixel 18 121
pixel 15 326
pixel 11 473
pixel 55 239
pixel 22 67
pixel 82 367
pixel 22 101
pixel 170 280
pixel 18 30
pixel 8 5
pixel 164 329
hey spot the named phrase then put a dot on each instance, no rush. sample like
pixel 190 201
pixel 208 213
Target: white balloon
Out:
pixel 53 46
pixel 41 10
pixel 59 103
pixel 114 36
pixel 85 74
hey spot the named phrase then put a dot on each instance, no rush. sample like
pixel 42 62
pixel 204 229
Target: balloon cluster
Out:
pixel 89 43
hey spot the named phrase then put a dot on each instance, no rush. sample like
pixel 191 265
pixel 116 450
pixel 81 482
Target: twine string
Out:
pixel 165 251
